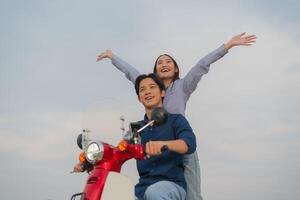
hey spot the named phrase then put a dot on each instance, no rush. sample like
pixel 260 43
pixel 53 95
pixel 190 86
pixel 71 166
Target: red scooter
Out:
pixel 103 162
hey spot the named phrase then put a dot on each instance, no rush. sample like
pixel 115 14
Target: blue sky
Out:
pixel 245 111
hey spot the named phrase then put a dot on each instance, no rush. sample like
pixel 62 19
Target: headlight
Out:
pixel 94 152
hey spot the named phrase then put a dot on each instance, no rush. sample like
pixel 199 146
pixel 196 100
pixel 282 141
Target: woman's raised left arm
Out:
pixel 191 80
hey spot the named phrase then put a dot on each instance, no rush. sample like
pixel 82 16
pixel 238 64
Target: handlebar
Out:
pixel 164 148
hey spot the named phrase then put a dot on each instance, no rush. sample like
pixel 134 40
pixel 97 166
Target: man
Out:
pixel 162 173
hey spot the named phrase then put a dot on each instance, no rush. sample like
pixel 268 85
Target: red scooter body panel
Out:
pixel 95 183
pixel 112 160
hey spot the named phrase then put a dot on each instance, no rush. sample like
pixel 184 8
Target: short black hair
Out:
pixel 153 76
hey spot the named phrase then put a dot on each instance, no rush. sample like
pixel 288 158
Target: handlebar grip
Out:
pixel 87 166
pixel 164 148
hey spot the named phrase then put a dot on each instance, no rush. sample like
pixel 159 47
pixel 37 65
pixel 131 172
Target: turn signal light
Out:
pixel 122 146
pixel 82 158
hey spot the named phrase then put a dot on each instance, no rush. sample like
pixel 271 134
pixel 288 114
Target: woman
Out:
pixel 179 90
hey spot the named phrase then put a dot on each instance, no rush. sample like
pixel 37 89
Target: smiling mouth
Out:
pixel 149 98
pixel 165 70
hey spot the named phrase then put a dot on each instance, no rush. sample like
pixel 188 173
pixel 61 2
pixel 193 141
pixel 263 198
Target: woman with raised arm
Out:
pixel 178 92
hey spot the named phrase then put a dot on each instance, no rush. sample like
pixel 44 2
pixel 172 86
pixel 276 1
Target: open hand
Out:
pixel 105 54
pixel 240 39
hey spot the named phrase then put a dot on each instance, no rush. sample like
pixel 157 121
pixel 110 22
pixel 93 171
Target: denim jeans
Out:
pixel 164 190
pixel 192 176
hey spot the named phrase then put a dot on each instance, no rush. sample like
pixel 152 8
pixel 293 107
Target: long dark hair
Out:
pixel 176 75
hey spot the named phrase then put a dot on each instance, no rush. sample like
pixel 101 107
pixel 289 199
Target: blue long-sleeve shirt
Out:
pixel 178 93
pixel 169 165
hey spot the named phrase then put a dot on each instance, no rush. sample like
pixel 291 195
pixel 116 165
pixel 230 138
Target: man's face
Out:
pixel 165 67
pixel 149 93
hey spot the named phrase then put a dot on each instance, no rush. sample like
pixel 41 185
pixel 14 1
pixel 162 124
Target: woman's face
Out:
pixel 165 67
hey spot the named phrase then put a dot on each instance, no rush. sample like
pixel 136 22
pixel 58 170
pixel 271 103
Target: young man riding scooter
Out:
pixel 162 173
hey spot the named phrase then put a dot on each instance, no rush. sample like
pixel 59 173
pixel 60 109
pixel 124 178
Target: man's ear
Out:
pixel 139 98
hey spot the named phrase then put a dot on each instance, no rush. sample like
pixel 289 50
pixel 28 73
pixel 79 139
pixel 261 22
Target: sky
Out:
pixel 245 111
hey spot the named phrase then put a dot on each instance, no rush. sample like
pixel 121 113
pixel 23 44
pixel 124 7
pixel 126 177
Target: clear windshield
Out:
pixel 102 119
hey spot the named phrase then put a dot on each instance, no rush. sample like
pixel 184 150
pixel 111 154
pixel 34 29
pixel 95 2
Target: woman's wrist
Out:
pixel 228 45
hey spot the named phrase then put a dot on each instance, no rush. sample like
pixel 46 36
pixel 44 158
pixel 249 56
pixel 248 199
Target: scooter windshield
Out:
pixel 107 119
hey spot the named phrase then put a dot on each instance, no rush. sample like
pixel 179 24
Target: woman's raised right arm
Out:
pixel 130 72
